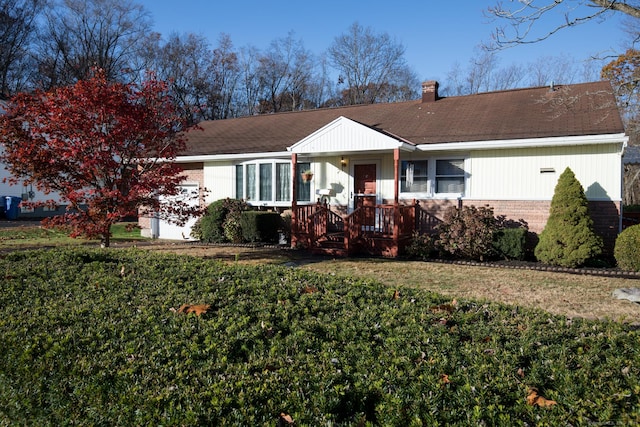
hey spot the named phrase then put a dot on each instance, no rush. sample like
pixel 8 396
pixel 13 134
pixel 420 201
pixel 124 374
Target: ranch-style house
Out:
pixel 363 178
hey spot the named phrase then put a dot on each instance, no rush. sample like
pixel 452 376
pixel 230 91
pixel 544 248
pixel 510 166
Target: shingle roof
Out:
pixel 572 110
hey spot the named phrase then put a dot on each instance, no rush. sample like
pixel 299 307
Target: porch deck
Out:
pixel 381 230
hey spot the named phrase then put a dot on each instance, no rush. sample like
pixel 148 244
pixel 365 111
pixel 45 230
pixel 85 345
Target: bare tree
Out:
pixel 184 61
pixel 483 74
pixel 83 34
pixel 18 29
pixel 367 63
pixel 224 71
pixel 559 69
pixel 249 85
pixel 521 17
pixel 285 73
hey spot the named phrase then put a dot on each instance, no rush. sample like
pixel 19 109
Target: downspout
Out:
pixel 624 145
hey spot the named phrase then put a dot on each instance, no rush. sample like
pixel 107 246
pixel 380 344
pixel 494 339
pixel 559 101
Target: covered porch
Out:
pixel 376 230
pixel 355 207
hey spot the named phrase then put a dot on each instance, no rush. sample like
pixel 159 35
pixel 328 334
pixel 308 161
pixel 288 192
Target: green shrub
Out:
pixel 208 228
pixel 627 248
pixel 422 246
pixel 221 222
pixel 260 226
pixel 568 239
pixel 468 232
pixel 510 243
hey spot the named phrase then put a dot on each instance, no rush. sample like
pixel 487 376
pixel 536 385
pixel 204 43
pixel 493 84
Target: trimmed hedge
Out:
pixel 510 243
pixel 221 222
pixel 258 226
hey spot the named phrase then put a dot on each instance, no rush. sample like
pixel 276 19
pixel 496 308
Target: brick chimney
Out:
pixel 430 91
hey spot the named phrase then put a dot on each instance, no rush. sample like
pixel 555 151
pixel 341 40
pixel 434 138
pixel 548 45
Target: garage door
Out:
pixel 169 230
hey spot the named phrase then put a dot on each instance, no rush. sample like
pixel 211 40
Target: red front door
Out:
pixel 364 177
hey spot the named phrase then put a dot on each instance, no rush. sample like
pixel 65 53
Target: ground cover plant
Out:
pixel 92 336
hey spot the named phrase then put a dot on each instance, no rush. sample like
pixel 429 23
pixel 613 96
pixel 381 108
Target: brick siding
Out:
pixel 605 214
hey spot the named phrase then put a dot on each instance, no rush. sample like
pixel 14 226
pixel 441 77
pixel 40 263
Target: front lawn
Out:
pixel 20 236
pixel 91 336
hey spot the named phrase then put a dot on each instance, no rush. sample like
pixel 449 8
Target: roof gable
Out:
pixel 346 135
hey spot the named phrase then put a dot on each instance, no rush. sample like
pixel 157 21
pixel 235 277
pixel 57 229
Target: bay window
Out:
pixel 268 182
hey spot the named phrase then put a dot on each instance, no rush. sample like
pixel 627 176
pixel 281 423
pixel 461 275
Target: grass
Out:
pixel 92 336
pixel 21 236
pixel 563 294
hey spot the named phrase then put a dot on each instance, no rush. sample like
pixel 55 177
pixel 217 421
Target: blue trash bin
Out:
pixel 12 207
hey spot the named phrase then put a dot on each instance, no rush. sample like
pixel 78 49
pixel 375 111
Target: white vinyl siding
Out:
pixel 515 174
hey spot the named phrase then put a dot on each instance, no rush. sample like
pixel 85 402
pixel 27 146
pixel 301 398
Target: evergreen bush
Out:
pixel 510 243
pixel 626 249
pixel 568 239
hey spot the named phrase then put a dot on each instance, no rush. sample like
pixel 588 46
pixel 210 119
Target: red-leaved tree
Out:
pixel 107 148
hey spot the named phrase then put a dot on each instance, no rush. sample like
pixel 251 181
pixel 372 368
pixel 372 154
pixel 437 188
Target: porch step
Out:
pixel 333 247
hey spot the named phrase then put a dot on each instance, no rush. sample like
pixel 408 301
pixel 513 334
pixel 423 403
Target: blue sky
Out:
pixel 436 34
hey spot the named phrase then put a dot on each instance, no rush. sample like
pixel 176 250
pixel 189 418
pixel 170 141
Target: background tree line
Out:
pixel 50 43
pixel 46 44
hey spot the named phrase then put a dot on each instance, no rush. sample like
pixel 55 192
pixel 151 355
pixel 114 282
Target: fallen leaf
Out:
pixel 122 271
pixel 534 399
pixel 285 419
pixel 309 289
pixel 396 294
pixel 521 372
pixel 444 379
pixel 198 309
pixel 449 308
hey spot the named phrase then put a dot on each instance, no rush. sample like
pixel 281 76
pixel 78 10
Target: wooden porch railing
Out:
pixel 380 228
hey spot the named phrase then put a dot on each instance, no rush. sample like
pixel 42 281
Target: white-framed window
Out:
pixel 432 177
pixel 268 182
pixel 414 176
pixel 449 176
